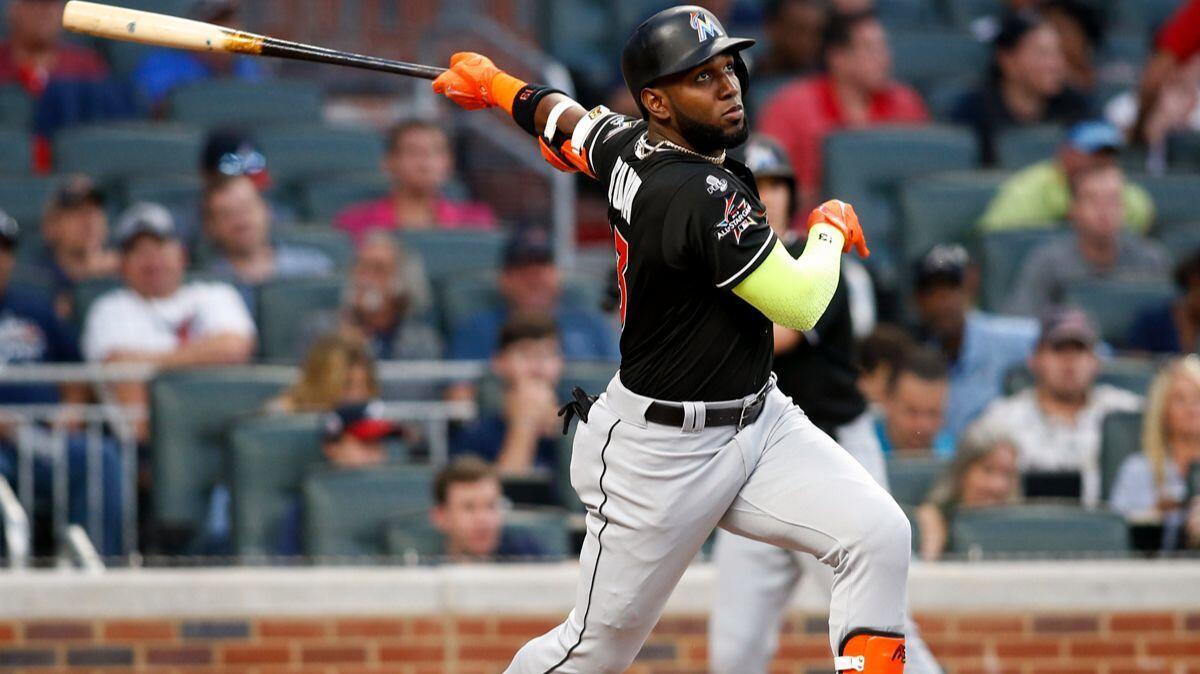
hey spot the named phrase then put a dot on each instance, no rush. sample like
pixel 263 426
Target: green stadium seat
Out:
pixel 910 479
pixel 1183 151
pixel 301 152
pixel 171 191
pixel 1144 16
pixel 1020 147
pixel 16 152
pixel 1132 374
pixel 269 458
pixel 332 242
pixel 284 306
pixel 1037 530
pixel 1180 239
pixel 346 512
pixel 944 208
pixel 1002 255
pixel 223 103
pixel 323 200
pixel 942 97
pixel 907 14
pixel 910 512
pixel 118 152
pixel 191 416
pixel 451 253
pixel 86 293
pixel 1120 436
pixel 867 167
pixel 1174 196
pixel 963 12
pixel 16 107
pixel 925 56
pixel 1112 305
pixel 464 296
pixel 25 199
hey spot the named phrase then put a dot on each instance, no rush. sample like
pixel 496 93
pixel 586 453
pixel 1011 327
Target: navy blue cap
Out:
pixel 528 245
pixel 944 263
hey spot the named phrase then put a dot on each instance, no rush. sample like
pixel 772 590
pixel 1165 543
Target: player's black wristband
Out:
pixel 525 105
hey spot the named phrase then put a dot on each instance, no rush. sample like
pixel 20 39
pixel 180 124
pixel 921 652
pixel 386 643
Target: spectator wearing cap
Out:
pixel 157 318
pixel 1096 251
pixel 468 510
pixel 163 70
pixel 237 222
pixel 1038 196
pixel 1055 424
pixel 530 285
pixel 979 347
pixel 419 165
pixel 910 421
pixel 1173 327
pixel 1152 485
pixel 855 91
pixel 520 437
pixel 1025 85
pixel 69 84
pixel 31 333
pixel 75 230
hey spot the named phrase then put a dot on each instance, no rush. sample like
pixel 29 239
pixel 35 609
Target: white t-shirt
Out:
pixel 1051 444
pixel 122 320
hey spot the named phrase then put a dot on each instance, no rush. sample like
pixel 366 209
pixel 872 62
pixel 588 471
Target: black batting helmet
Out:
pixel 673 41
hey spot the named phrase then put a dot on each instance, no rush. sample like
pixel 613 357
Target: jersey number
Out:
pixel 622 248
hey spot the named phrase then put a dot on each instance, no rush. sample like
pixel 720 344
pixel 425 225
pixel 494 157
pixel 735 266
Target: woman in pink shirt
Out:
pixel 420 164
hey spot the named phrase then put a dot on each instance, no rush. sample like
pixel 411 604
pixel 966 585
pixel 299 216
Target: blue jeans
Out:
pixel 77 485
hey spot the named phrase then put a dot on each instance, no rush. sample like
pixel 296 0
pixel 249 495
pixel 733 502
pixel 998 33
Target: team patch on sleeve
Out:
pixel 739 217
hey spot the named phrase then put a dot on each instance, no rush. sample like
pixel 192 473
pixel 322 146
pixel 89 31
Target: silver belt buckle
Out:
pixel 742 417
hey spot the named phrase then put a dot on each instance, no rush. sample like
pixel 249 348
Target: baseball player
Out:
pixel 692 432
pixel 755 580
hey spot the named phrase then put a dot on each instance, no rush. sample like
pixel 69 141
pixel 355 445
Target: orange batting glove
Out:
pixel 474 82
pixel 841 216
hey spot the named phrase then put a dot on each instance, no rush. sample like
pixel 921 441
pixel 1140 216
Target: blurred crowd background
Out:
pixel 266 312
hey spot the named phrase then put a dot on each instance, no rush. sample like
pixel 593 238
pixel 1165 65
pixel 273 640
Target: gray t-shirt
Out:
pixel 1051 268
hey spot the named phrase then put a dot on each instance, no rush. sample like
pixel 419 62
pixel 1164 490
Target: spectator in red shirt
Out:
pixel 855 91
pixel 1177 43
pixel 420 164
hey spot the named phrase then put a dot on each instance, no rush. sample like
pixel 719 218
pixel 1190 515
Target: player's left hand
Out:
pixel 468 82
pixel 841 216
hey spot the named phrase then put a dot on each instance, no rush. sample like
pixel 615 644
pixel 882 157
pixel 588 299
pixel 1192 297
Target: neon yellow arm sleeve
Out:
pixel 794 292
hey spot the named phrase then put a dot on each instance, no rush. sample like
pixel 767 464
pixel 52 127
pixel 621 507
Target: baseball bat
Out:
pixel 132 25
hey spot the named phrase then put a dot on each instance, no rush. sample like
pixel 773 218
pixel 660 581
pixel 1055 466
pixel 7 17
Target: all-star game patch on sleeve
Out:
pixel 602 134
pixel 724 229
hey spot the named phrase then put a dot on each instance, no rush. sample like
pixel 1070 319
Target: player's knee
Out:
pixel 889 541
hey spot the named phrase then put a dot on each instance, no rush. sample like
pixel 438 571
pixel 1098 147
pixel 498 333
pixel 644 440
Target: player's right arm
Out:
pixel 561 125
pixel 794 292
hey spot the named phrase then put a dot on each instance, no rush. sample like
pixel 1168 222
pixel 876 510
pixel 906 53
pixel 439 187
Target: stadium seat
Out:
pixel 346 512
pixel 1132 374
pixel 866 168
pixel 283 307
pixel 300 152
pixel 191 415
pixel 1120 436
pixel 1037 530
pixel 1113 305
pixel 944 208
pixel 16 108
pixel 322 200
pixel 1020 147
pixel 1003 254
pixel 1144 16
pixel 25 198
pixel 120 151
pixel 1181 239
pixel 926 56
pixel 451 253
pixel 269 458
pixel 1183 151
pixel 212 104
pixel 910 479
pixel 464 296
pixel 171 191
pixel 963 12
pixel 1174 196
pixel 332 242
pixel 86 292
pixel 16 152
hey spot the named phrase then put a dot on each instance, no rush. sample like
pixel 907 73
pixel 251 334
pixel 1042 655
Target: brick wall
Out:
pixel 966 643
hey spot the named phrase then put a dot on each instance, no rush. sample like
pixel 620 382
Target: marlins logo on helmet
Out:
pixel 705 26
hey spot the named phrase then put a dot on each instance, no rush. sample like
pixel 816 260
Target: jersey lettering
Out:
pixel 622 248
pixel 623 186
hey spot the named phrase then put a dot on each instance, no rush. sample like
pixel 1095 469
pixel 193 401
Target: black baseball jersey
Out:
pixel 686 232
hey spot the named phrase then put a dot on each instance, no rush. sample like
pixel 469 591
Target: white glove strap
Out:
pixel 552 120
pixel 849 663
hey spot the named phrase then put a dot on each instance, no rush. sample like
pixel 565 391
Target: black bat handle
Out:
pixel 306 52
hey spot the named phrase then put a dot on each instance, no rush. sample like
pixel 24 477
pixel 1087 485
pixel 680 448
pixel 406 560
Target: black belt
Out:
pixel 738 414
